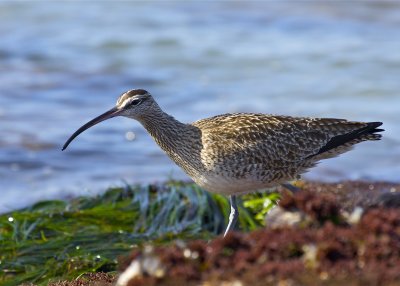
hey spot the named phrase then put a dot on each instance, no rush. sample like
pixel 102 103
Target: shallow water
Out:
pixel 62 64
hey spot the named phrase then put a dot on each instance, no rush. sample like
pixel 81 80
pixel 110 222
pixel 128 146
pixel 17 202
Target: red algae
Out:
pixel 90 279
pixel 327 251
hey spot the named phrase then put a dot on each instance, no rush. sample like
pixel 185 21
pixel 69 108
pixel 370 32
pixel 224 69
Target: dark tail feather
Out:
pixel 367 133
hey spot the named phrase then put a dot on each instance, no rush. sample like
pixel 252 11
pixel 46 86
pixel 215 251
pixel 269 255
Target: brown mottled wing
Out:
pixel 272 141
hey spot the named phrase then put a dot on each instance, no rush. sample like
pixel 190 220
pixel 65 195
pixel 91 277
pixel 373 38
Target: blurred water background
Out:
pixel 63 63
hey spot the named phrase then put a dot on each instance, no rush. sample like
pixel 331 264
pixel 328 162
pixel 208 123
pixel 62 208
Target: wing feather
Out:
pixel 274 141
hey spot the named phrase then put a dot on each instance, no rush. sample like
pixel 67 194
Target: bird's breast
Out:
pixel 228 185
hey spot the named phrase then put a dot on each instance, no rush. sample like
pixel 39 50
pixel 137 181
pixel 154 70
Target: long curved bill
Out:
pixel 106 115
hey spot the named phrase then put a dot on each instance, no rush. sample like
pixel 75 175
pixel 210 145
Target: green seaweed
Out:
pixel 54 240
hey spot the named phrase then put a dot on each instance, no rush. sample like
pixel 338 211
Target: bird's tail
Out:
pixel 342 143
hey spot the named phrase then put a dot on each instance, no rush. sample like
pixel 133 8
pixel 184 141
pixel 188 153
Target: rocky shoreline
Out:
pixel 328 234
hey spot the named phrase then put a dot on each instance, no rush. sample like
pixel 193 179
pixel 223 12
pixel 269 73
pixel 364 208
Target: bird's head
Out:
pixel 133 104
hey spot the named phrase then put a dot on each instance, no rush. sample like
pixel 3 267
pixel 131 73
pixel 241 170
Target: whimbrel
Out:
pixel 234 154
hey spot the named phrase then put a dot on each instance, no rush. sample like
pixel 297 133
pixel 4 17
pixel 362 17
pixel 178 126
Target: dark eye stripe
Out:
pixel 136 101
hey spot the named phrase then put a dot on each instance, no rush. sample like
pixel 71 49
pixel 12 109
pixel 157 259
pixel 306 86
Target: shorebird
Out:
pixel 234 154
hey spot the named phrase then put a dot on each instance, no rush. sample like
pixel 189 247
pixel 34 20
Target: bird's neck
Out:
pixel 180 141
pixel 164 128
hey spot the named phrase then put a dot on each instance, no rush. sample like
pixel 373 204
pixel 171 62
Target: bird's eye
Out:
pixel 136 102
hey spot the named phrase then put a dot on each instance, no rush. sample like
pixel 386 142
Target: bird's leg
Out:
pixel 233 216
pixel 290 187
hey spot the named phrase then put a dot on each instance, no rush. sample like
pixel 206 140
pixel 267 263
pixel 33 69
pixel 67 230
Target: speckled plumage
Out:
pixel 239 153
pixel 244 152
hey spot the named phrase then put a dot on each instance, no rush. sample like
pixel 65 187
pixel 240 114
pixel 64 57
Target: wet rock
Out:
pixel 323 235
pixel 145 265
pixel 90 279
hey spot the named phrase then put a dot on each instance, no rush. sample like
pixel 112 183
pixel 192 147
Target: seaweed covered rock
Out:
pixel 89 279
pixel 323 247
